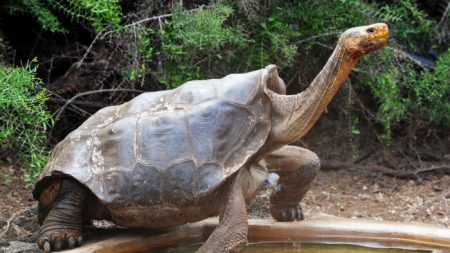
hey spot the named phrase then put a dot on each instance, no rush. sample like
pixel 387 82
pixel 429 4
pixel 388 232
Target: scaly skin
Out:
pixel 231 233
pixel 297 168
pixel 62 227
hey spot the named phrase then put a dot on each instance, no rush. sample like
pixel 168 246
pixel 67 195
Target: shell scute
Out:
pixel 214 136
pixel 76 155
pixel 141 186
pixel 209 174
pixel 71 161
pixel 242 93
pixel 163 138
pixel 113 146
pixel 102 118
pixel 114 184
pixel 178 183
pixel 143 102
pixel 146 181
pixel 194 92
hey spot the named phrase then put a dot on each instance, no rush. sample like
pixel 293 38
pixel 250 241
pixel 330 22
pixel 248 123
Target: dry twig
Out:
pixel 61 110
pixel 335 165
pixel 405 174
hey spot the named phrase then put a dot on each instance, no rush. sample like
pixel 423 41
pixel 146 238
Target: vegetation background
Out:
pixel 62 60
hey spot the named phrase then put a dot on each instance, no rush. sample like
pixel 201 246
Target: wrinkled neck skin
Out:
pixel 294 115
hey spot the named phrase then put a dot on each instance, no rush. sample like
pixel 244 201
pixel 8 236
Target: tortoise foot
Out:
pixel 63 239
pixel 287 212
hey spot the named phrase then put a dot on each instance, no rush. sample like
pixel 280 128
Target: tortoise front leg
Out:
pixel 297 168
pixel 62 227
pixel 230 234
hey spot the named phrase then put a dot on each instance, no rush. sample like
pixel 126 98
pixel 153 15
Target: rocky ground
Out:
pixel 344 193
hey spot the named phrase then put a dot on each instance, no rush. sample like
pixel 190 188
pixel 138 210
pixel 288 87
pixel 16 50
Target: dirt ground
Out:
pixel 14 196
pixel 360 194
pixel 344 193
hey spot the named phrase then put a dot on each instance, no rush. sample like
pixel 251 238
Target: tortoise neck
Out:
pixel 314 100
pixel 296 114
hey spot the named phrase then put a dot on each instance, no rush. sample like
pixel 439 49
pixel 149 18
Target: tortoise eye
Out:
pixel 371 30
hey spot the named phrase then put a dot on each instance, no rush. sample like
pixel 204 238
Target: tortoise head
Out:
pixel 361 40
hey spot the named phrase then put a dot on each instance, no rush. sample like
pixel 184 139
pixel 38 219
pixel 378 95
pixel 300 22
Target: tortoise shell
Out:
pixel 167 147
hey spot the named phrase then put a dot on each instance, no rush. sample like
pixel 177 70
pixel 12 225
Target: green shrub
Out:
pixel 97 13
pixel 403 94
pixel 272 41
pixel 409 26
pixel 386 83
pixel 432 92
pixel 23 117
pixel 195 40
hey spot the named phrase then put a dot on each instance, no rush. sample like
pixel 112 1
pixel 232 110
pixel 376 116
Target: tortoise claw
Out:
pixel 79 240
pixel 47 246
pixel 287 212
pixel 60 240
pixel 71 242
pixel 58 244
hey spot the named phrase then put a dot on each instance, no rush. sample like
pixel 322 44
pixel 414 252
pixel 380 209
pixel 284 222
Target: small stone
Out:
pixel 446 157
pixel 376 188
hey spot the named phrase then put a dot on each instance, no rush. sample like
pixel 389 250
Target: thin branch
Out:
pixel 79 103
pixel 88 50
pixel 405 174
pixel 149 19
pixel 444 15
pixel 336 165
pixel 89 93
pixel 102 34
pixel 323 45
pixel 294 76
pixel 318 36
pixel 76 109
pixel 409 57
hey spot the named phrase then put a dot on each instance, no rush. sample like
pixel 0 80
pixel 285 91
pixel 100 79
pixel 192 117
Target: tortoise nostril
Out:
pixel 371 30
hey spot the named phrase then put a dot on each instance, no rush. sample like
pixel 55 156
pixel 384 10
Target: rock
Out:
pixel 19 233
pixel 447 156
pixel 22 247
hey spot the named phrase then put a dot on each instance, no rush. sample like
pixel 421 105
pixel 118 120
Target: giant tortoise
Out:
pixel 172 157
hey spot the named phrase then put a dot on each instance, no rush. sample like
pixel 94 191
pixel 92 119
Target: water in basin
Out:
pixel 303 248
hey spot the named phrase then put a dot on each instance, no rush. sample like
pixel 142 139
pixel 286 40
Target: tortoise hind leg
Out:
pixel 297 168
pixel 230 234
pixel 62 227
